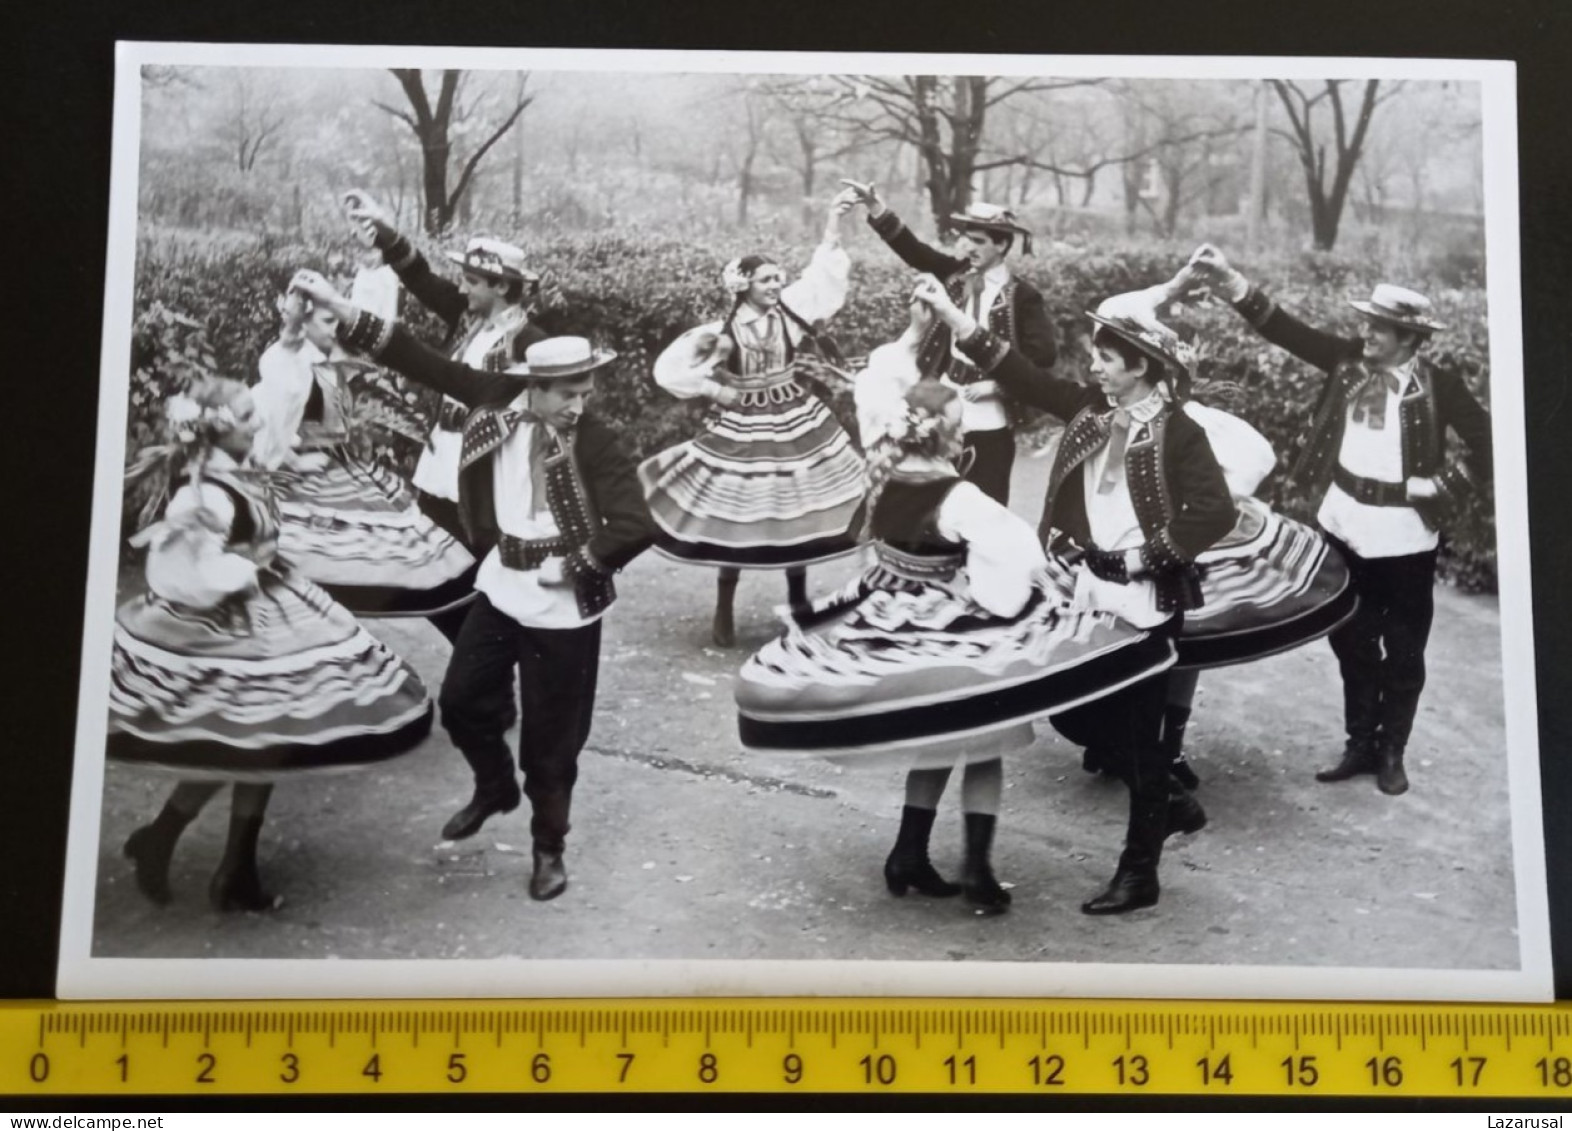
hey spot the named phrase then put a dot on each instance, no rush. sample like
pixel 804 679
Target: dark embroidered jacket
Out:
pixel 1018 314
pixel 1176 485
pixel 446 300
pixel 592 489
pixel 1439 399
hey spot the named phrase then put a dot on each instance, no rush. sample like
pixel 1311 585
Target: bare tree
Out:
pixel 435 126
pixel 252 120
pixel 1327 184
pixel 808 138
pixel 943 118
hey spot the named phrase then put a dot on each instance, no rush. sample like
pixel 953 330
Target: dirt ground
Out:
pixel 683 847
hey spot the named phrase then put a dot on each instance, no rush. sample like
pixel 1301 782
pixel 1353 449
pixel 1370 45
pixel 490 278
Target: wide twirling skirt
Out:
pixel 922 676
pixel 280 682
pixel 772 482
pixel 1270 586
pixel 355 529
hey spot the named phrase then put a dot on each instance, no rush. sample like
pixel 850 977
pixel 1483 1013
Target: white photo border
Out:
pixel 80 975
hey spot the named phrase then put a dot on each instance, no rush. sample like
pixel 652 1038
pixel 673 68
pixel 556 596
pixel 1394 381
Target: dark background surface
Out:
pixel 58 96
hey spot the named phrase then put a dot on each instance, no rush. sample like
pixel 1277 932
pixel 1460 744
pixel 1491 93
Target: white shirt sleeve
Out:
pixel 280 398
pixel 879 392
pixel 1003 556
pixel 678 369
pixel 186 559
pixel 376 291
pixel 1246 456
pixel 821 291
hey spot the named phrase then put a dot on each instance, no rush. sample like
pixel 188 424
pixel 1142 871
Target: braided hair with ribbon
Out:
pixel 926 429
pixel 195 421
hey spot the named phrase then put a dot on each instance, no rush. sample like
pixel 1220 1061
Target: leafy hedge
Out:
pixel 210 304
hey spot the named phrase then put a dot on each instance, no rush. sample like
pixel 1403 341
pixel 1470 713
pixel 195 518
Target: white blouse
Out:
pixel 280 398
pixel 1003 557
pixel 818 294
pixel 186 559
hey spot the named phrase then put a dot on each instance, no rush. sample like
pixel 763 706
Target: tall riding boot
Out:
pixel 549 830
pixel 153 845
pixel 1362 718
pixel 1175 720
pixel 724 630
pixel 236 886
pixel 1185 814
pixel 977 880
pixel 1135 882
pixel 1390 778
pixel 908 865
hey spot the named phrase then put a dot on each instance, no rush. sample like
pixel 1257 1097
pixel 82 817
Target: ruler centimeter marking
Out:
pixel 818 1045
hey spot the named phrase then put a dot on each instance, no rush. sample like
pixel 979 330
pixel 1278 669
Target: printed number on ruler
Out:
pixel 835 1045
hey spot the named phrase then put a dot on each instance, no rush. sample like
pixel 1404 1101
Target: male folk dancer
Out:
pixel 980 283
pixel 1376 453
pixel 549 494
pixel 487 315
pixel 1135 494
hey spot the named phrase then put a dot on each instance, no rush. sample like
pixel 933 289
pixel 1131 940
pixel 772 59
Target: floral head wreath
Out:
pixel 734 278
pixel 191 431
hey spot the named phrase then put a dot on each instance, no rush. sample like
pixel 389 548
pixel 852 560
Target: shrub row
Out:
pixel 209 304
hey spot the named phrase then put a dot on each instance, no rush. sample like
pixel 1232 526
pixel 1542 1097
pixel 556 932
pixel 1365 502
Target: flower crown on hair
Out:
pixel 734 278
pixel 189 424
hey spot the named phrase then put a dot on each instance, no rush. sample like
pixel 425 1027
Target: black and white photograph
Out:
pixel 579 523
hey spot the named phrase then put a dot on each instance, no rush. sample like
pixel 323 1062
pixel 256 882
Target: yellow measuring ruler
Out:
pixel 784 1045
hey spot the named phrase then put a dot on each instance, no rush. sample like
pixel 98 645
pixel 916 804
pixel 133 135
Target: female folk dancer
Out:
pixel 231 668
pixel 946 648
pixel 772 481
pixel 348 524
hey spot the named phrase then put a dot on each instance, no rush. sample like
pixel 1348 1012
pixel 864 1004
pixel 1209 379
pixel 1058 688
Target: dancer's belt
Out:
pixel 451 416
pixel 1108 565
pixel 1371 492
pixel 528 553
pixel 917 567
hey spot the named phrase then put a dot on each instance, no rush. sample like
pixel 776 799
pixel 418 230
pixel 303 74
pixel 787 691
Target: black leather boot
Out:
pixel 1390 778
pixel 487 801
pixel 1359 757
pixel 908 865
pixel 724 630
pixel 1134 884
pixel 236 886
pixel 1175 720
pixel 1100 760
pixel 1185 814
pixel 550 877
pixel 797 591
pixel 151 847
pixel 549 829
pixel 977 879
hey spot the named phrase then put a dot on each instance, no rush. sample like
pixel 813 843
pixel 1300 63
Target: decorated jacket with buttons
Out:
pixel 593 493
pixel 1018 315
pixel 1439 401
pixel 1176 485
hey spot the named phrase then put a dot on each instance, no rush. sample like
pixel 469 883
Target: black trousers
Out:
pixel 991 459
pixel 1381 649
pixel 1129 723
pixel 557 671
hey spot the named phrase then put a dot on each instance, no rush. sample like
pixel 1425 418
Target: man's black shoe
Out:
pixel 468 820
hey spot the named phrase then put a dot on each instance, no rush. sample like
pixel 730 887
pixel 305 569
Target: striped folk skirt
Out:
pixel 919 675
pixel 280 682
pixel 772 482
pixel 355 529
pixel 1271 585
